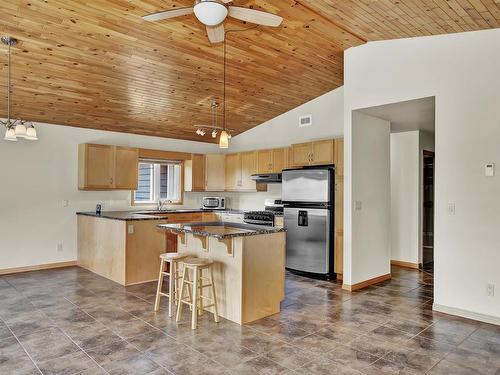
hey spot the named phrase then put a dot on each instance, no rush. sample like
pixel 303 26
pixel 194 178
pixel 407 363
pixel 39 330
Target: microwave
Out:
pixel 213 203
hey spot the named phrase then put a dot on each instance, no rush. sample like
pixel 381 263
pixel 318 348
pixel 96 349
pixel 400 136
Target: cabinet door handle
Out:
pixel 111 180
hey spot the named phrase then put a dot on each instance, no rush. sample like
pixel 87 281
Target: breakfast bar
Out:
pixel 249 265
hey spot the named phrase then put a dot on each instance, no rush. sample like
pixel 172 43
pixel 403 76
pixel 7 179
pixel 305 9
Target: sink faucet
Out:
pixel 161 203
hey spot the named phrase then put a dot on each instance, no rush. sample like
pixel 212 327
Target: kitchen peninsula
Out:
pixel 249 265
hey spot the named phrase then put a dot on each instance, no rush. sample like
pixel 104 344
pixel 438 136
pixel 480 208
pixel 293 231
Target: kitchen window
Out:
pixel 158 181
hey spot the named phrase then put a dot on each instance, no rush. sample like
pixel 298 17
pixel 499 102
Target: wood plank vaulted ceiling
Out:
pixel 97 64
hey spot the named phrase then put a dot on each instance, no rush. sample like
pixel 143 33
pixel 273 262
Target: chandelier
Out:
pixel 214 129
pixel 15 129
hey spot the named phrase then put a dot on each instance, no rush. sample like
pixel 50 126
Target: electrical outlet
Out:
pixel 451 208
pixel 65 203
pixel 358 205
pixel 490 290
pixel 59 247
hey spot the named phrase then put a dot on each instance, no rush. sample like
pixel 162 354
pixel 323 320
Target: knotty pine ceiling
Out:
pixel 97 64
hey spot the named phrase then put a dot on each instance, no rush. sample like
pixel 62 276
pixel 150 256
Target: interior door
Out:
pixel 307 239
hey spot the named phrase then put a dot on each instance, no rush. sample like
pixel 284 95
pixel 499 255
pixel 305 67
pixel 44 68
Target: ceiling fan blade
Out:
pixel 216 33
pixel 255 16
pixel 168 14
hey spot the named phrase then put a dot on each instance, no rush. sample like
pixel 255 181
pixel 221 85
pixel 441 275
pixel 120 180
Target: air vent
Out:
pixel 306 120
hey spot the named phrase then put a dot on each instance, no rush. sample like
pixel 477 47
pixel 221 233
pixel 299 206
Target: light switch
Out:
pixel 451 208
pixel 130 229
pixel 358 205
pixel 489 170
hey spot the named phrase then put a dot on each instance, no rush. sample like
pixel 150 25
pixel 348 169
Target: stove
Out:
pixel 273 207
pixel 259 218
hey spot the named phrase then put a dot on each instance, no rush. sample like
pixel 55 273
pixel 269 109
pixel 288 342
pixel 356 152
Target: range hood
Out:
pixel 267 178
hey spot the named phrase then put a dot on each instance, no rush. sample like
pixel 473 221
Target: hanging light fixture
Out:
pixel 17 128
pixel 223 138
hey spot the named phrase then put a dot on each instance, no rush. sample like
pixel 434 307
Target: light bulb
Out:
pixel 229 135
pixel 214 133
pixel 31 134
pixel 202 132
pixel 223 140
pixel 10 135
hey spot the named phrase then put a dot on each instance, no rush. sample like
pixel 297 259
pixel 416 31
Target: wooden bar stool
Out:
pixel 173 260
pixel 195 286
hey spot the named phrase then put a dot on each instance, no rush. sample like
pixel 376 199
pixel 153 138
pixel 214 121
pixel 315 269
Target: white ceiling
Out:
pixel 418 114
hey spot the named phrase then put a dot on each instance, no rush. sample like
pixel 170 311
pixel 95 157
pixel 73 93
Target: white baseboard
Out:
pixel 467 314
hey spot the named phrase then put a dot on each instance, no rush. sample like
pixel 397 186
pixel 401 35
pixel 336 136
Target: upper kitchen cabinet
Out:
pixel 248 162
pixel 272 161
pixel 265 161
pixel 105 167
pixel 126 168
pixel 215 176
pixel 239 169
pixel 194 173
pixel 205 173
pixel 233 172
pixel 339 157
pixel 313 153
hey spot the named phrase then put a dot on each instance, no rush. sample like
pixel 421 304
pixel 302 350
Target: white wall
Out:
pixel 283 130
pixel 461 71
pixel 405 191
pixel 371 238
pixel 37 176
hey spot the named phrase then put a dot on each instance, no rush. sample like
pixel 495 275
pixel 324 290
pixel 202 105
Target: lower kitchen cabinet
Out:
pixel 127 251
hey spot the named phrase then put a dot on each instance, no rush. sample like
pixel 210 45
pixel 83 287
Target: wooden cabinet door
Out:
pixel 233 172
pixel 215 176
pixel 339 157
pixel 301 154
pixel 248 168
pixel 265 161
pixel 126 168
pixel 96 167
pixel 339 224
pixel 198 172
pixel 322 152
pixel 338 266
pixel 280 161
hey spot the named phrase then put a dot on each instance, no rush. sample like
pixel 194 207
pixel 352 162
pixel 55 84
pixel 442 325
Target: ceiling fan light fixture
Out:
pixel 210 12
pixel 223 139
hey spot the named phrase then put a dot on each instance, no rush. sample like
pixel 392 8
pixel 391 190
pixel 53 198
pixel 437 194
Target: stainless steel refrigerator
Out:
pixel 308 196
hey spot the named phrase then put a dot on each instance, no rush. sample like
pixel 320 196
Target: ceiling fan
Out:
pixel 212 14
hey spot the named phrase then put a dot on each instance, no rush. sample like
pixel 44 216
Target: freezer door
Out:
pixel 306 185
pixel 307 239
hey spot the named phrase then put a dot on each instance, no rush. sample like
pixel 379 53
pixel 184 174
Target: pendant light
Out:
pixel 17 128
pixel 223 138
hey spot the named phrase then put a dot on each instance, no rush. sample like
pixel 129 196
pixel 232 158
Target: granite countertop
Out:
pixel 148 215
pixel 220 230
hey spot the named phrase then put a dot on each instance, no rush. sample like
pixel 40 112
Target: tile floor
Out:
pixel 70 321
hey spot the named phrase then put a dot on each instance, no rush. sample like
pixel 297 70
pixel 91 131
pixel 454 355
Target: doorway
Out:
pixel 428 211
